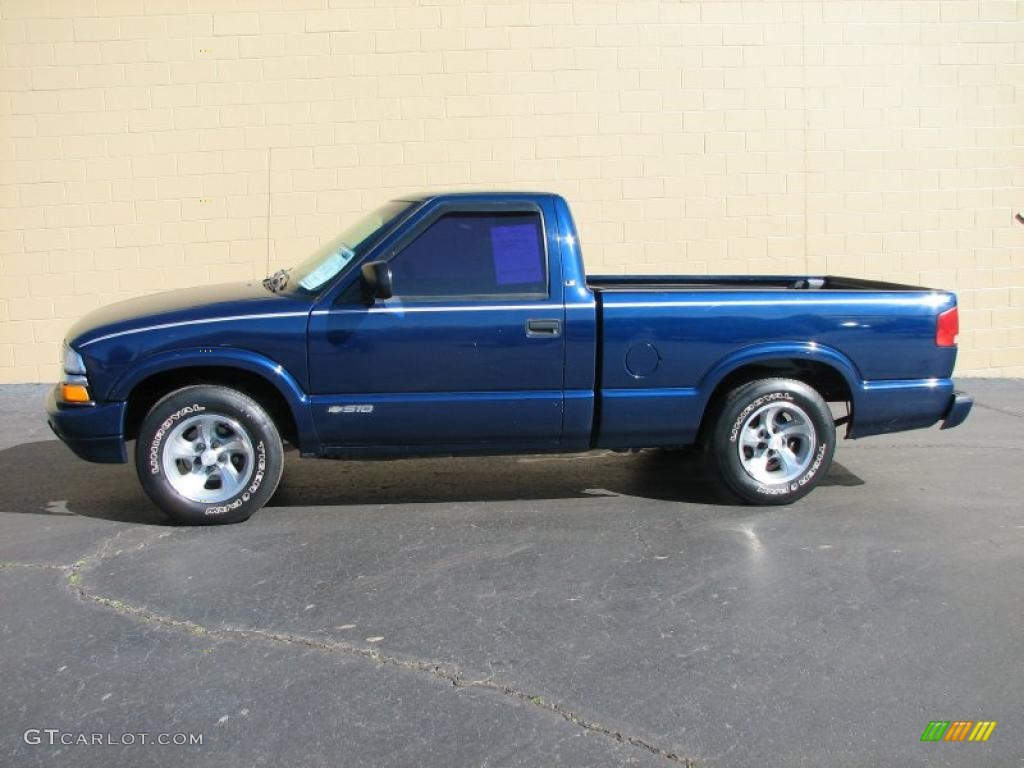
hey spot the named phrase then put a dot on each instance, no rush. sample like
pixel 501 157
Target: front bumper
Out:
pixel 92 432
pixel 959 406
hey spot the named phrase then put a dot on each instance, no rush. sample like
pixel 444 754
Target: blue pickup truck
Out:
pixel 464 323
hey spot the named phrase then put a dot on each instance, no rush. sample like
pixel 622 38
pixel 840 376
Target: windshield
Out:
pixel 331 258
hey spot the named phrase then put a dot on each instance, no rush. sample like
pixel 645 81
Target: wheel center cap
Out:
pixel 776 442
pixel 208 457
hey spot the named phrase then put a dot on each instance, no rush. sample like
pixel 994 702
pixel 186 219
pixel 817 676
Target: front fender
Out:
pixel 242 359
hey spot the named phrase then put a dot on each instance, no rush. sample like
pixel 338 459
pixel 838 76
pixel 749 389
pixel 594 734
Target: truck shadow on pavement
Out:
pixel 49 480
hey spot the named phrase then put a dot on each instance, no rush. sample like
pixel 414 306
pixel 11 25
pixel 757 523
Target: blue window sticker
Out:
pixel 517 257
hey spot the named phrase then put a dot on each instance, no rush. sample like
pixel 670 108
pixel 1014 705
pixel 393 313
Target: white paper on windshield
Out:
pixel 330 266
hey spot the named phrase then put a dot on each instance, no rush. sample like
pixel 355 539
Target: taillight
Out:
pixel 947 328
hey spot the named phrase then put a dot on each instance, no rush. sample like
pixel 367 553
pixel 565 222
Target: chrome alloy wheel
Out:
pixel 208 458
pixel 777 442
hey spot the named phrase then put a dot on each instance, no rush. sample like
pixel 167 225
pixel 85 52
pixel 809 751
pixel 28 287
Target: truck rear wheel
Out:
pixel 772 441
pixel 207 454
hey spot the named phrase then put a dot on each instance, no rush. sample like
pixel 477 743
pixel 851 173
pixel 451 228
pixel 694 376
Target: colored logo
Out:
pixel 958 730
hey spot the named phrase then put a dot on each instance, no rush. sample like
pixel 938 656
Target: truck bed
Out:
pixel 662 339
pixel 740 282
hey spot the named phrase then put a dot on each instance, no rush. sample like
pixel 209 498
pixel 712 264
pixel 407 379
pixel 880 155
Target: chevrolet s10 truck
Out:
pixel 464 323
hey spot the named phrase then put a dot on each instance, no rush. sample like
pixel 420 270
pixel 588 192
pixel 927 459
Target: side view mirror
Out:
pixel 377 279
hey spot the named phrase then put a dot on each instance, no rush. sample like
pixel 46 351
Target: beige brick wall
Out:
pixel 151 144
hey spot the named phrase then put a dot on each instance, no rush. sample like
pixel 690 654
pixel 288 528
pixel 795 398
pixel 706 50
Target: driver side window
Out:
pixel 474 254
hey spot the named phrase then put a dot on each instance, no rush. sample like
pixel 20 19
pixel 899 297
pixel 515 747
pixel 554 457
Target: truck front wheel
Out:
pixel 772 441
pixel 208 454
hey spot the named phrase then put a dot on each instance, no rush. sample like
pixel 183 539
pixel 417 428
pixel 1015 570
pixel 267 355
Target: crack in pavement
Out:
pixel 1004 411
pixel 44 566
pixel 894 444
pixel 107 549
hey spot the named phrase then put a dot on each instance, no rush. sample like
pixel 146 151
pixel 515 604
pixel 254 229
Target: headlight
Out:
pixel 74 386
pixel 73 362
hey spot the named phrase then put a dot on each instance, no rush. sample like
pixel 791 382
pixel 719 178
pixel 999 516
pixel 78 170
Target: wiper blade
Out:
pixel 276 281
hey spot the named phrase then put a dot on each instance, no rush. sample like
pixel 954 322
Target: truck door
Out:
pixel 469 351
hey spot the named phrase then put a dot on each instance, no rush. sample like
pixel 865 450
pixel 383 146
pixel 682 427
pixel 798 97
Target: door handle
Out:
pixel 547 329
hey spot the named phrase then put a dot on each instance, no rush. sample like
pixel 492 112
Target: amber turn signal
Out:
pixel 74 393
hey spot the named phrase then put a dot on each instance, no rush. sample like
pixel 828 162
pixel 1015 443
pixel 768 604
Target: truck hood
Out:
pixel 184 306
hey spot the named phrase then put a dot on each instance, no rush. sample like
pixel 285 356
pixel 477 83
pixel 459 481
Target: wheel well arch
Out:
pixel 825 379
pixel 146 393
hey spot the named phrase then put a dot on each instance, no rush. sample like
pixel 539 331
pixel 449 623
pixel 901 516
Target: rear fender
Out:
pixel 763 354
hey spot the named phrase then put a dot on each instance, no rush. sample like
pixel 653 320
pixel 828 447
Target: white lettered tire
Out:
pixel 208 454
pixel 772 441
